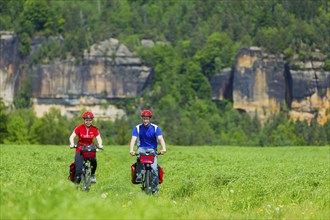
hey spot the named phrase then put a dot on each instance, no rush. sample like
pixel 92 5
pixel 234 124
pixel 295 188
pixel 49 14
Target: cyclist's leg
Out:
pixel 94 165
pixel 93 169
pixel 79 164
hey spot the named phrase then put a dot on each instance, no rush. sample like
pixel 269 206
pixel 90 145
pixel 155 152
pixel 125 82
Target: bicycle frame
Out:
pixel 85 178
pixel 146 159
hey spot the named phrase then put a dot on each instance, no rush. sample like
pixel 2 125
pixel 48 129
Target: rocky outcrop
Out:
pixel 310 95
pixel 259 83
pixel 222 85
pixel 109 71
pixel 9 62
pixel 263 84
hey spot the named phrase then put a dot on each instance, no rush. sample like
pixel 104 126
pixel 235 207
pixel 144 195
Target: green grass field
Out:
pixel 199 183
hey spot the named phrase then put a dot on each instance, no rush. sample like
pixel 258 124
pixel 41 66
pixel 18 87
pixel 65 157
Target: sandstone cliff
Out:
pixel 109 71
pixel 263 84
pixel 9 63
pixel 259 83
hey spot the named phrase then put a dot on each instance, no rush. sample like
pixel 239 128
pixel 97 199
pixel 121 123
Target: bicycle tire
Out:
pixel 82 181
pixel 143 182
pixel 88 179
pixel 148 182
pixel 85 178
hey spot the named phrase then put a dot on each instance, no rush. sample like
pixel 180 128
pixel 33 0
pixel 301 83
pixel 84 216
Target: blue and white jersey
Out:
pixel 147 136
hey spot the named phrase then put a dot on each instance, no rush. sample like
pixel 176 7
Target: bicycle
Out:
pixel 88 153
pixel 146 159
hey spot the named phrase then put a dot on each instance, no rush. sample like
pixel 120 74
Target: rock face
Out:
pixel 9 62
pixel 259 83
pixel 222 85
pixel 310 95
pixel 110 70
pixel 263 84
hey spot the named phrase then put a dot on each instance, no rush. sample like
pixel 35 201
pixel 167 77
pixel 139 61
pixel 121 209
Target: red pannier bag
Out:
pixel 72 171
pixel 133 171
pixel 160 174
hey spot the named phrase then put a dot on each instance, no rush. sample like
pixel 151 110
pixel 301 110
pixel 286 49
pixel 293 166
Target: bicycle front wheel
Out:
pixel 85 182
pixel 148 182
pixel 88 179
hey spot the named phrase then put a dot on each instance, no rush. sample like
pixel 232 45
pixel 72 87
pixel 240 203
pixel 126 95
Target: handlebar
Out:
pixel 92 145
pixel 148 153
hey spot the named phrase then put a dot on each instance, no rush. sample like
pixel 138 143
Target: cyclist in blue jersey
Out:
pixel 147 135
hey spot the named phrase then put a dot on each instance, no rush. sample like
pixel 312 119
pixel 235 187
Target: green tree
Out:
pixel 34 135
pixel 123 132
pixel 4 120
pixel 216 54
pixel 326 128
pixel 283 135
pixel 317 136
pixel 301 130
pixel 29 117
pixel 17 131
pixel 197 81
pixel 265 135
pixel 53 128
pixel 167 109
pixel 22 98
pixel 36 13
pixel 107 131
pixel 269 38
pixel 24 44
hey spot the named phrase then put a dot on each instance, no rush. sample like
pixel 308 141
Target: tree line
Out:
pixel 199 127
pixel 202 36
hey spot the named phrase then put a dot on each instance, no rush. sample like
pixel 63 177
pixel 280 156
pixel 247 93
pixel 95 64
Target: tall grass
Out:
pixel 199 183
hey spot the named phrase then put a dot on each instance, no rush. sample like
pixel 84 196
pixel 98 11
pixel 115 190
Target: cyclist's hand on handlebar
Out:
pixel 72 145
pixel 163 152
pixel 132 153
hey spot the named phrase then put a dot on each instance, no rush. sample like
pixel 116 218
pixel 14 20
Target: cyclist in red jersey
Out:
pixel 86 133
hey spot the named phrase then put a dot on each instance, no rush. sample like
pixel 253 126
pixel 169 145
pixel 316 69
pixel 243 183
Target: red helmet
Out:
pixel 88 115
pixel 146 113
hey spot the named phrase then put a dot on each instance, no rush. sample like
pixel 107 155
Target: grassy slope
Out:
pixel 199 183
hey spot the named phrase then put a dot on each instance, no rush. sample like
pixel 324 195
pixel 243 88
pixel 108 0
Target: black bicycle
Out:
pixel 146 159
pixel 88 152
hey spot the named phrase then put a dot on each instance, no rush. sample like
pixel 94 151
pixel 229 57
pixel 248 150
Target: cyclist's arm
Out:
pixel 71 139
pixel 99 141
pixel 162 143
pixel 131 145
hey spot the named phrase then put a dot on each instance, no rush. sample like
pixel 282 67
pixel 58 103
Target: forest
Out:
pixel 202 37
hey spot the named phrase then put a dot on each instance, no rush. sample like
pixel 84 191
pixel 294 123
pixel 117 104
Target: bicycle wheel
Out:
pixel 82 181
pixel 88 179
pixel 148 182
pixel 143 182
pixel 85 178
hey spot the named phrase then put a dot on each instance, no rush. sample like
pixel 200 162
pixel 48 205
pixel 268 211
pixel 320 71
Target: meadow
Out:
pixel 199 183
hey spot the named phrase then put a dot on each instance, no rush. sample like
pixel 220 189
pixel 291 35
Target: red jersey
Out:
pixel 85 136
